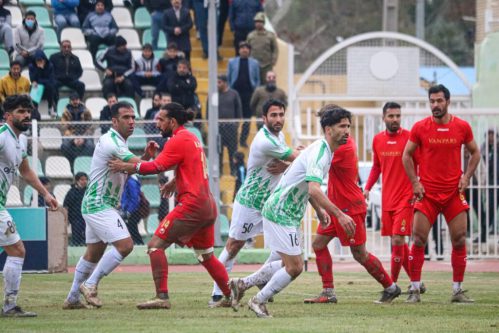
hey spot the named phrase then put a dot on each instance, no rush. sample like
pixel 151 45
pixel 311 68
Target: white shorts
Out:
pixel 282 239
pixel 8 230
pixel 106 226
pixel 246 222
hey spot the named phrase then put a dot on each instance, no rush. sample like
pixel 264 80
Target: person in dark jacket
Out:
pixel 182 85
pixel 6 31
pixel 69 69
pixel 99 28
pixel 157 10
pixel 146 70
pixel 133 207
pixel 48 185
pixel 72 202
pixel 177 24
pixel 167 65
pixel 105 113
pixel 241 14
pixel 87 6
pixel 41 71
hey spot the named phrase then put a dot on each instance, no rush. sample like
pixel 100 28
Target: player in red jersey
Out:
pixel 191 222
pixel 344 191
pixel 397 199
pixel 440 187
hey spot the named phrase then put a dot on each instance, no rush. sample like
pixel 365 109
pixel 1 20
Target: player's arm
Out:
pixel 410 170
pixel 474 151
pixel 31 178
pixel 373 175
pixel 323 216
pixel 282 159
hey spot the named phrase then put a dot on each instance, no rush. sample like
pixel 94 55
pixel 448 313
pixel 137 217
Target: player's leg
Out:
pixel 325 267
pixel 398 255
pixel 217 272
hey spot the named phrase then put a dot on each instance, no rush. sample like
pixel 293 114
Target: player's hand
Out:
pixel 51 201
pixel 150 150
pixel 117 165
pixel 418 190
pixel 347 224
pixel 324 218
pixel 276 167
pixel 168 189
pixel 464 182
pixel 366 194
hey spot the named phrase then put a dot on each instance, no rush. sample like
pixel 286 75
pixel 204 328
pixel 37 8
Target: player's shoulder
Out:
pixel 460 121
pixel 425 122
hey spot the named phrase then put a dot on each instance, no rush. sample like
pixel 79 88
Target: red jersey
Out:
pixel 387 159
pixel 440 152
pixel 343 184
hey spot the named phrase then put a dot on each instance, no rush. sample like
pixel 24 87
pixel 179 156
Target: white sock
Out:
pixel 228 263
pixel 82 271
pixel 391 288
pixel 263 275
pixel 415 285
pixel 12 280
pixel 280 280
pixel 274 256
pixel 109 261
pixel 456 286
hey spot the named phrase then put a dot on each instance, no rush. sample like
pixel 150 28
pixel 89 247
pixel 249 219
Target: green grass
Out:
pixel 189 293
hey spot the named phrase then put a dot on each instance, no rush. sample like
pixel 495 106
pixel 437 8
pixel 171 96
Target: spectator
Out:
pixel 146 70
pixel 72 202
pixel 490 151
pixel 48 185
pixel 243 74
pixel 157 10
pixel 189 125
pixel 87 6
pixel 182 85
pixel 241 14
pixel 99 28
pixel 13 83
pixel 201 11
pixel 69 69
pixel 240 167
pixel 264 46
pixel 65 14
pixel 105 113
pixel 119 68
pixel 168 65
pixel 164 206
pixel 41 71
pixel 135 207
pixel 151 113
pixel 223 14
pixel 166 98
pixel 264 93
pixel 28 38
pixel 6 35
pixel 177 24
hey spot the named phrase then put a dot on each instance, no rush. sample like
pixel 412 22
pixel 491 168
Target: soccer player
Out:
pixel 284 209
pixel 104 223
pixel 191 222
pixel 440 188
pixel 344 191
pixel 264 172
pixel 13 155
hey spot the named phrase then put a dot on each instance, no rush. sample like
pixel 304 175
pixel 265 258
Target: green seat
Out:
pixel 137 141
pixel 50 39
pixel 147 38
pixel 224 226
pixel 39 169
pixel 42 16
pixel 3 72
pixel 142 18
pixel 49 52
pixel 61 105
pixel 158 54
pixel 152 223
pixel 32 3
pixel 134 105
pixel 4 60
pixel 82 164
pixel 28 193
pixel 152 194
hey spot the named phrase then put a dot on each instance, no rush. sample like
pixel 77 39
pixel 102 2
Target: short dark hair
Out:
pixel 147 46
pixel 272 102
pixel 15 62
pixel 12 102
pixel 108 96
pixel 115 109
pixel 332 114
pixel 157 93
pixel 184 62
pixel 191 113
pixel 439 88
pixel 244 44
pixel 79 175
pixel 30 13
pixel 390 105
pixel 223 77
pixel 176 111
pixel 171 46
pixel 44 180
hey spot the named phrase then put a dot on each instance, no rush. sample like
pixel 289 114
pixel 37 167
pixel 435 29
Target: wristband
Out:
pixel 137 167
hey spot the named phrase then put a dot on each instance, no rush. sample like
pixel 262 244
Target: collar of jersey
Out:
pixel 11 131
pixel 178 129
pixel 117 134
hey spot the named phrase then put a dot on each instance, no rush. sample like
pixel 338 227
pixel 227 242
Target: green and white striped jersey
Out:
pixel 259 183
pixel 12 153
pixel 105 187
pixel 286 205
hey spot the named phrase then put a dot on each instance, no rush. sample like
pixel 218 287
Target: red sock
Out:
pixel 416 261
pixel 397 261
pixel 325 266
pixel 405 263
pixel 375 268
pixel 218 273
pixel 159 267
pixel 458 260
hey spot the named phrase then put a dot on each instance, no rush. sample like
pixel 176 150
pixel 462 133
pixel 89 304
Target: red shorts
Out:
pixel 449 204
pixel 191 228
pixel 335 230
pixel 397 222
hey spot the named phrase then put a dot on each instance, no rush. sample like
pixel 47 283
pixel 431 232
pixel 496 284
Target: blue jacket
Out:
pixel 242 13
pixel 233 71
pixel 130 199
pixel 65 7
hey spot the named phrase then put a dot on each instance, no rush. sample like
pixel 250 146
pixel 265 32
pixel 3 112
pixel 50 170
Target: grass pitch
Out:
pixel 189 294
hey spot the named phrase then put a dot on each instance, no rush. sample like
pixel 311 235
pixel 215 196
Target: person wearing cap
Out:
pixel 41 71
pixel 263 46
pixel 146 70
pixel 28 38
pixel 99 27
pixel 69 69
pixel 177 23
pixel 120 66
pixel 241 14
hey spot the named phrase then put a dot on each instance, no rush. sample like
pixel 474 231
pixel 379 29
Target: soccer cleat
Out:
pixel 155 303
pixel 214 299
pixel 326 296
pixel 17 312
pixel 223 302
pixel 67 305
pixel 422 289
pixel 258 308
pixel 237 289
pixel 388 297
pixel 460 297
pixel 90 295
pixel 414 297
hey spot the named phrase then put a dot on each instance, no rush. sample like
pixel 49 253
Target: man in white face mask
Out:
pixel 28 38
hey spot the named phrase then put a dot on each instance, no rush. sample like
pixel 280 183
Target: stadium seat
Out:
pixel 43 109
pixel 95 105
pixel 60 192
pixel 25 73
pixel 28 193
pixel 58 167
pixel 4 59
pixel 92 80
pixel 42 16
pixel 152 194
pixel 142 18
pixel 50 39
pixel 82 164
pixel 32 2
pixel 147 38
pixel 16 14
pixel 85 57
pixel 122 17
pixel 13 197
pixel 138 140
pixel 152 223
pixel 39 169
pixel 61 105
pixel 145 104
pixel 52 138
pixel 75 36
pixel 134 105
pixel 3 72
pixel 118 3
pixel 132 38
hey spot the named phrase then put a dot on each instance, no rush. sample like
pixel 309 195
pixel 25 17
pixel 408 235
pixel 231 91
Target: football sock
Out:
pixel 263 275
pixel 280 280
pixel 405 262
pixel 82 271
pixel 416 261
pixel 218 273
pixel 12 280
pixel 456 286
pixel 325 267
pixel 159 268
pixel 228 263
pixel 274 256
pixel 458 260
pixel 397 261
pixel 375 268
pixel 109 261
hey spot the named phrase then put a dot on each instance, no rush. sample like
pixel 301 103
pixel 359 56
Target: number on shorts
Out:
pixel 119 224
pixel 247 227
pixel 293 237
pixel 11 227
